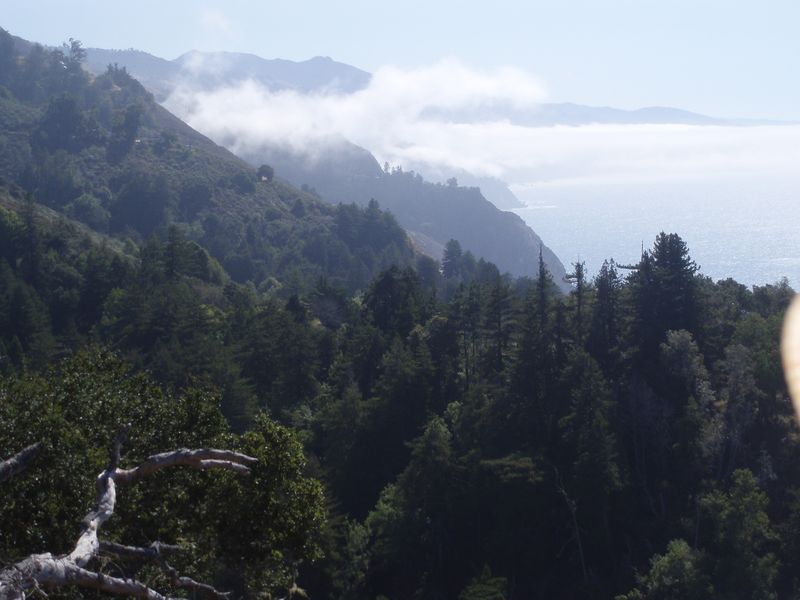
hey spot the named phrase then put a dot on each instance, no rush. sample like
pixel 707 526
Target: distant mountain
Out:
pixel 570 114
pixel 209 70
pixel 154 73
pixel 431 213
pixel 495 190
pixel 577 114
pixel 550 114
pixel 213 70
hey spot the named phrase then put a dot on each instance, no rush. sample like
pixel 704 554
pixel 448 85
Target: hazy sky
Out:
pixel 727 58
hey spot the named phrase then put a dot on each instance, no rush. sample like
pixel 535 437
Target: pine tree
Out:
pixel 451 260
pixel 604 331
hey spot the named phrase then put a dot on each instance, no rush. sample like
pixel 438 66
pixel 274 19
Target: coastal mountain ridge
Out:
pixel 342 172
pixel 208 70
pixel 204 70
pixel 432 213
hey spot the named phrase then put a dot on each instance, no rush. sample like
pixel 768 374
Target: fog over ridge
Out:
pixel 410 117
pixel 390 117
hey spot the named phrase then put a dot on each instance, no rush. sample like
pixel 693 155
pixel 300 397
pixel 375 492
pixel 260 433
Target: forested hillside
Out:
pixel 338 170
pixel 433 213
pixel 422 430
pixel 101 151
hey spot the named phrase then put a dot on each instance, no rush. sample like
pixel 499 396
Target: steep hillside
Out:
pixel 348 173
pixel 432 213
pixel 102 151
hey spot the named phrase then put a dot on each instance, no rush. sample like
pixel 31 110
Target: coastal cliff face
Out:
pixel 432 213
pixel 342 172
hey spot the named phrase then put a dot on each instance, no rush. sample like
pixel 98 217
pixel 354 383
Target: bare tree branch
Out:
pixel 150 552
pixel 157 552
pixel 188 583
pixel 203 458
pixel 18 462
pixel 48 570
pixel 69 569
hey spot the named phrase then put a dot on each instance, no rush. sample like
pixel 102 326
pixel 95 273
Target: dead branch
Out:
pixel 204 458
pixel 65 570
pixel 157 552
pixel 18 462
pixel 45 569
pixel 150 552
pixel 188 583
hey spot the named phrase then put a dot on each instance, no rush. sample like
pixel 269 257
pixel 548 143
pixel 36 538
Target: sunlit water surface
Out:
pixel 742 227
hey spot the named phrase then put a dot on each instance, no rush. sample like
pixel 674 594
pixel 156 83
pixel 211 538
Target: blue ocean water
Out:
pixel 747 228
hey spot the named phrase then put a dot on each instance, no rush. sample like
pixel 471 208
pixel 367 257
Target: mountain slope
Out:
pixel 346 175
pixel 432 213
pixel 104 152
pixel 209 70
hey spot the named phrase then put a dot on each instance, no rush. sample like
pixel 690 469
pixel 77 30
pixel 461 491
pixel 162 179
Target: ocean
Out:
pixel 745 227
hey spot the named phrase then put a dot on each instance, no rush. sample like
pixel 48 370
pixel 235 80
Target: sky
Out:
pixel 731 58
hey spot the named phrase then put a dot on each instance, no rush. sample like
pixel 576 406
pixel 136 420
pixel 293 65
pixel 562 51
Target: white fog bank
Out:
pixel 593 191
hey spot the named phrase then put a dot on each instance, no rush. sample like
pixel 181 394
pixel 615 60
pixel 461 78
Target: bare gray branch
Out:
pixel 18 462
pixel 47 570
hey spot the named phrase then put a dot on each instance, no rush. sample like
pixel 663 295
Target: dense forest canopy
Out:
pixel 423 430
